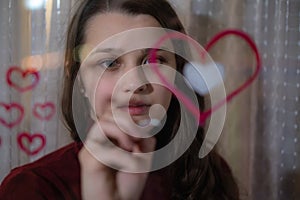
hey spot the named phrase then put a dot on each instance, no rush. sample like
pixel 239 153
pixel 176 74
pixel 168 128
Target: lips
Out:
pixel 136 108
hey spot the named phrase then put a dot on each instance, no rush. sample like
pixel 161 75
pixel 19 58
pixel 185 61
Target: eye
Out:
pixel 158 60
pixel 109 64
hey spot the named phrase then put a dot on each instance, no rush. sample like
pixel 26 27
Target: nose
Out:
pixel 133 78
pixel 135 81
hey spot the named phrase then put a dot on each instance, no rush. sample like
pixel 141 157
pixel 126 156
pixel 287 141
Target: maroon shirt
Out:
pixel 57 176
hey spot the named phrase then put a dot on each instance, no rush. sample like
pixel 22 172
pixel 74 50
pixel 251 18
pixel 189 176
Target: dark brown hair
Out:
pixel 207 178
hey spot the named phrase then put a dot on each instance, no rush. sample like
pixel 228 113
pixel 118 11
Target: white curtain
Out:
pixel 262 129
pixel 261 135
pixel 32 45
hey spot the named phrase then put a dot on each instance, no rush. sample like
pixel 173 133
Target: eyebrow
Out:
pixel 120 51
pixel 148 50
pixel 108 50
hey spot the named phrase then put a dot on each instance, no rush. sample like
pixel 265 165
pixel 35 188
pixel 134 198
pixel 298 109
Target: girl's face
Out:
pixel 115 84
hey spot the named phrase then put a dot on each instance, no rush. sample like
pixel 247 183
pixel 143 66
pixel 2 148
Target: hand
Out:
pixel 101 181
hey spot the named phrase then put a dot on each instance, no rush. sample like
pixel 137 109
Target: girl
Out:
pixel 76 171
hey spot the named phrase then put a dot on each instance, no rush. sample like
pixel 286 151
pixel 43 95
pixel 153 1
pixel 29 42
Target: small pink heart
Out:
pixel 44 111
pixel 11 110
pixel 25 140
pixel 17 72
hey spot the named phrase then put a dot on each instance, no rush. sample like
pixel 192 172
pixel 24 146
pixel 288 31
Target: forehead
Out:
pixel 104 25
pixel 122 32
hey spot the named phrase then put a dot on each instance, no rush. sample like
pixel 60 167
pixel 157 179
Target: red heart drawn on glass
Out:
pixel 210 138
pixel 15 72
pixel 202 116
pixel 14 112
pixel 44 111
pixel 25 141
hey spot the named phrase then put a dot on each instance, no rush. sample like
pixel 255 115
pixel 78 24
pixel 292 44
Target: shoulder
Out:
pixel 53 162
pixel 18 185
pixel 54 173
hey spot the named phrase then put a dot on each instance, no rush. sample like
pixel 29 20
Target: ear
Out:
pixel 81 85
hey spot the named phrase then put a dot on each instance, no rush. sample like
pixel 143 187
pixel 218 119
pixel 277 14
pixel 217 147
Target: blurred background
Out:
pixel 261 135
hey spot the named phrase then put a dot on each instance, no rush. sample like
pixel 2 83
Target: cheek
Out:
pixel 103 94
pixel 162 96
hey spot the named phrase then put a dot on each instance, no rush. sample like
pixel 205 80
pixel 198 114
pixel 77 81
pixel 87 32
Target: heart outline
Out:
pixel 43 106
pixel 9 107
pixel 30 138
pixel 210 138
pixel 24 74
pixel 202 116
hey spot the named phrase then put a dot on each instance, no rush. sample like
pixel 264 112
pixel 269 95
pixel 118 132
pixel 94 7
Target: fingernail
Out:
pixel 144 122
pixel 155 122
